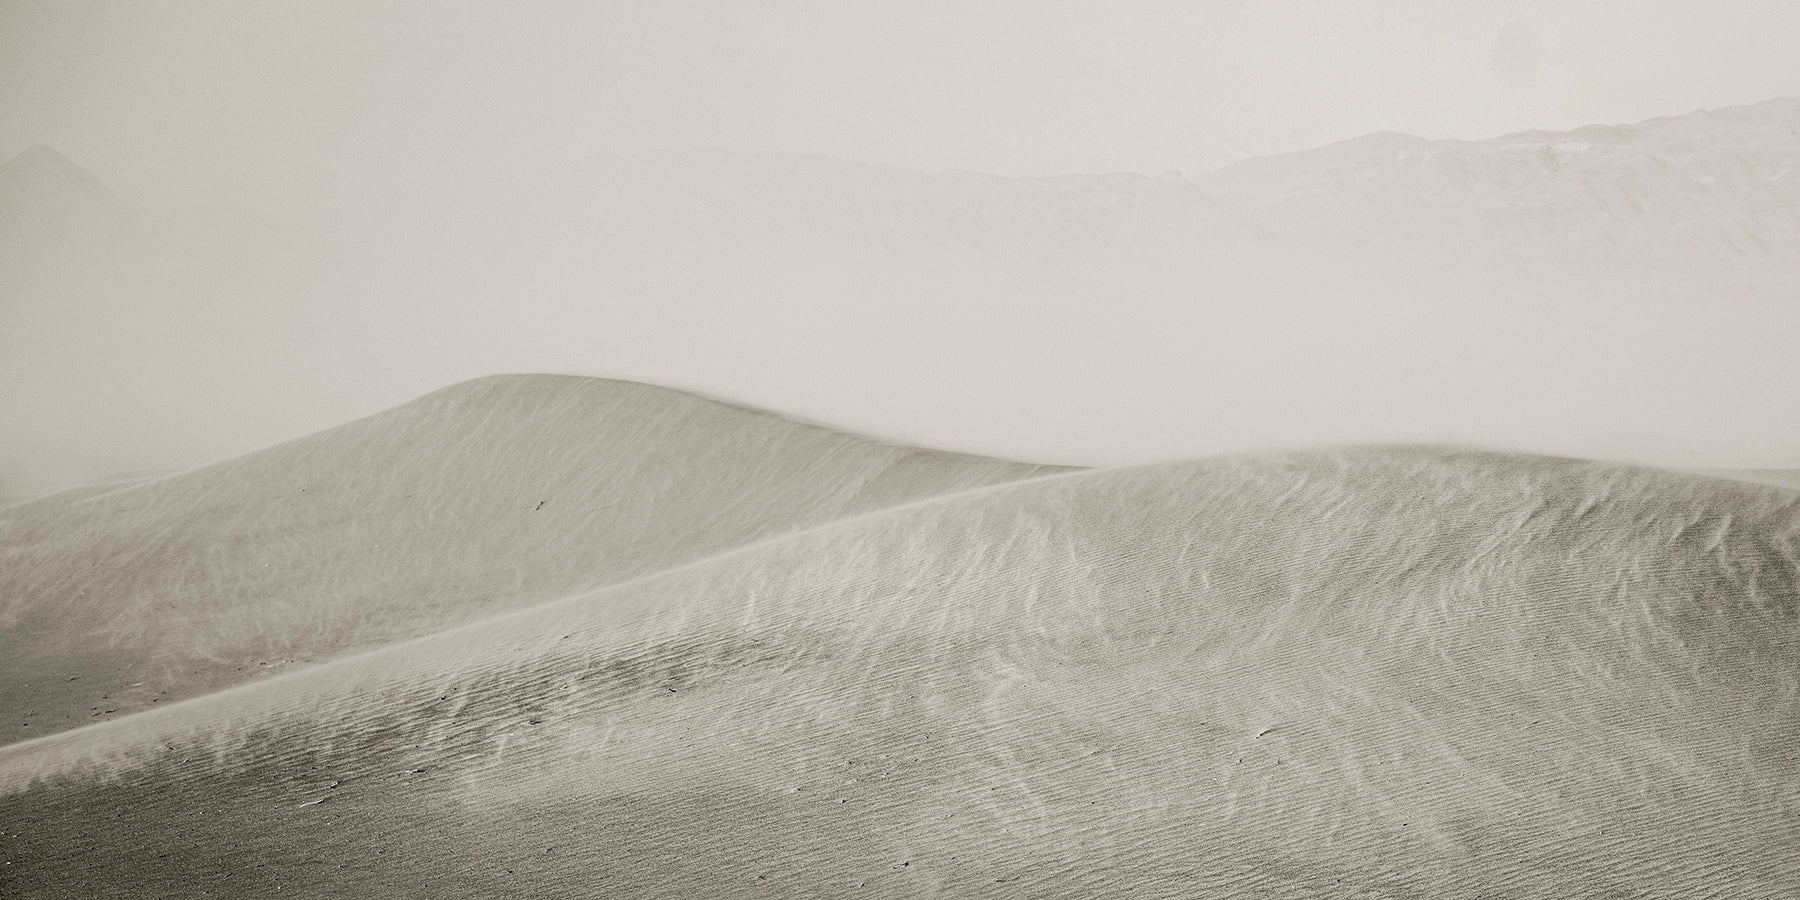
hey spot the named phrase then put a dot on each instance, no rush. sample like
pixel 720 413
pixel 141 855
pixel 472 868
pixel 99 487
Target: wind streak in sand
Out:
pixel 1390 670
pixel 488 496
pixel 372 671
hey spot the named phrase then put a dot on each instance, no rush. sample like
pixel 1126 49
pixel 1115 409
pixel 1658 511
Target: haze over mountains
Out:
pixel 1714 186
pixel 1710 186
pixel 1615 290
pixel 126 333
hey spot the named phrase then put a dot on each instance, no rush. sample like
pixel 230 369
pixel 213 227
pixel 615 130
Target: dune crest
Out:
pixel 482 497
pixel 1393 670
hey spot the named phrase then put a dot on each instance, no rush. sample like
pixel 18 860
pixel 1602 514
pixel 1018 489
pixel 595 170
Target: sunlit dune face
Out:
pixel 1389 669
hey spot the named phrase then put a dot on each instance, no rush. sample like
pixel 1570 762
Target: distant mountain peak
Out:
pixel 49 204
pixel 41 162
pixel 41 154
pixel 45 172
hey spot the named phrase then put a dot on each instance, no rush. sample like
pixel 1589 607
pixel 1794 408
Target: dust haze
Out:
pixel 1168 450
pixel 253 223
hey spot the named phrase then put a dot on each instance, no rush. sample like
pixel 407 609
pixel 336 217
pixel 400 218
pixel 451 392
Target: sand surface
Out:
pixel 1369 672
pixel 477 499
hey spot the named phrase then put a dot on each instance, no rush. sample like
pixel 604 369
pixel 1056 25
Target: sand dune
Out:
pixel 1377 672
pixel 479 498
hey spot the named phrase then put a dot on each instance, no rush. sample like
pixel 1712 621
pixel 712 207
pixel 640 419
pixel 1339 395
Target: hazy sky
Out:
pixel 336 116
pixel 297 107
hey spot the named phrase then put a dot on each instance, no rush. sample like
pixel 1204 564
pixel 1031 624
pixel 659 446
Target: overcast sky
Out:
pixel 294 108
pixel 337 117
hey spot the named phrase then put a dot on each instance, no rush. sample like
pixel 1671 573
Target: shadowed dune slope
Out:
pixel 1381 672
pixel 482 497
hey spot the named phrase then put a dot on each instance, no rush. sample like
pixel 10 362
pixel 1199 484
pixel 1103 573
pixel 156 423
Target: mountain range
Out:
pixel 1384 288
pixel 1617 291
pixel 1707 186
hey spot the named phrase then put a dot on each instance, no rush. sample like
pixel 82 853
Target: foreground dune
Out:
pixel 483 497
pixel 1383 672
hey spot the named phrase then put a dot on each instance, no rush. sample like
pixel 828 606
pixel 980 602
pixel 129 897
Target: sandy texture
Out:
pixel 480 498
pixel 1387 672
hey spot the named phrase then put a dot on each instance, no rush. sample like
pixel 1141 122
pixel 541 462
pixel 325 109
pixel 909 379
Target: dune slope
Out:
pixel 1383 672
pixel 482 497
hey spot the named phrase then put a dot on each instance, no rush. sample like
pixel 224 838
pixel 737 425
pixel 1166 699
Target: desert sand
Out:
pixel 476 499
pixel 736 655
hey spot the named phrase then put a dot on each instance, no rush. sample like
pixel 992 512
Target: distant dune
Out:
pixel 477 499
pixel 1390 671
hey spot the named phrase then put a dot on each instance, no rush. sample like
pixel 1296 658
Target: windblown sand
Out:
pixel 1371 672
